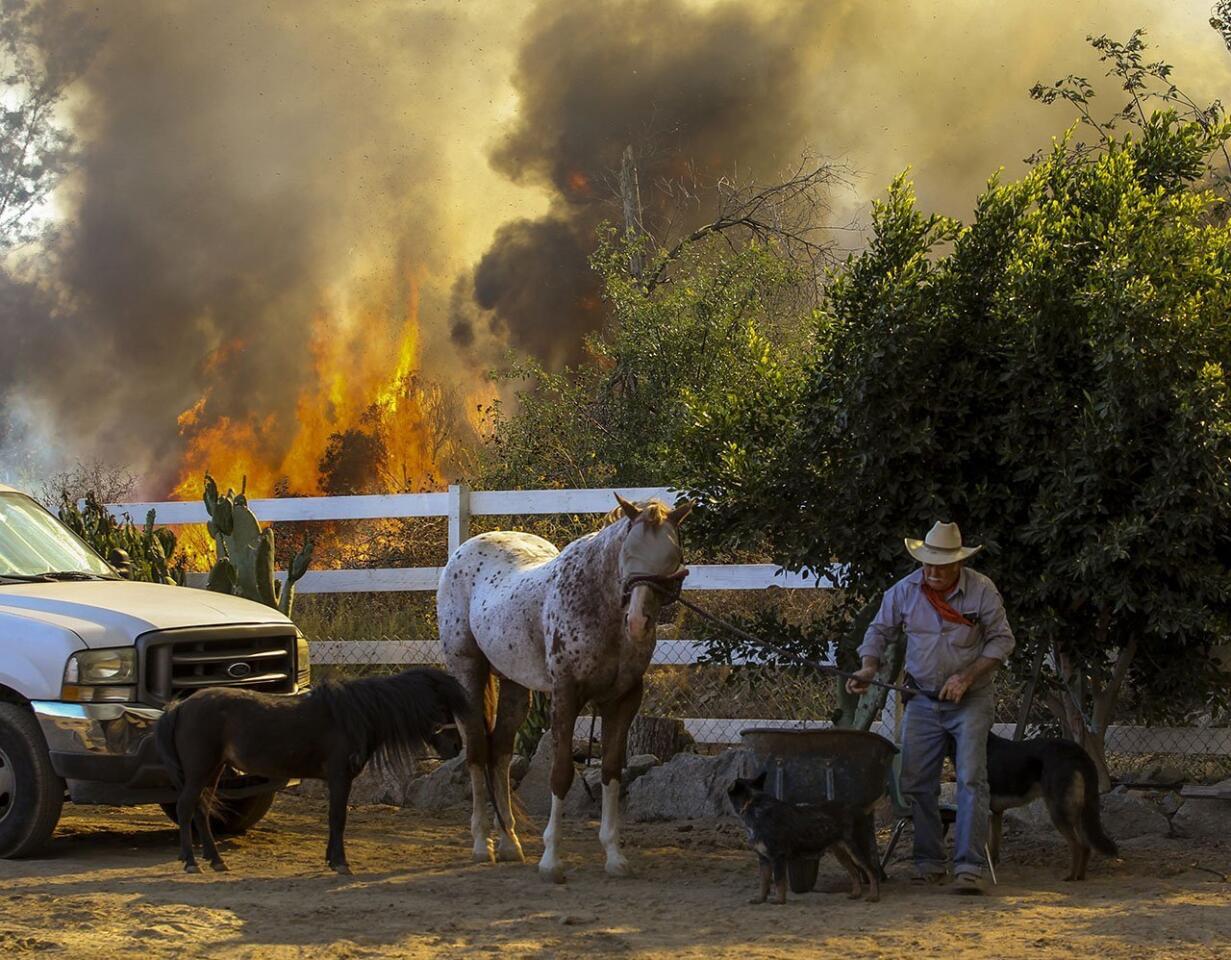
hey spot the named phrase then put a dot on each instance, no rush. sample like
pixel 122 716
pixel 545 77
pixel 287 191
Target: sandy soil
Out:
pixel 110 885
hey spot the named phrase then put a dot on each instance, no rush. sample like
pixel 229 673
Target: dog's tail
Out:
pixel 1091 823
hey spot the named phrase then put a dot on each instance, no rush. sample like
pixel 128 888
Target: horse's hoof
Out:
pixel 619 868
pixel 191 868
pixel 219 867
pixel 343 869
pixel 484 853
pixel 552 874
pixel 510 853
pixel 873 898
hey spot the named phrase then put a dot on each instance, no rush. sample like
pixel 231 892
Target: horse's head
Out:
pixel 650 556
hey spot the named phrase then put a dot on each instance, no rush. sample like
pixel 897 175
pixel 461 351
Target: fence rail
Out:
pixel 458 505
pixel 786 704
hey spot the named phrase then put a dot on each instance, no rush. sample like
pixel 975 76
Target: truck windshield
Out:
pixel 35 545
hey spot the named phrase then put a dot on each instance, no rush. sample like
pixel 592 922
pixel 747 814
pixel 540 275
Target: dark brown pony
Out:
pixel 328 734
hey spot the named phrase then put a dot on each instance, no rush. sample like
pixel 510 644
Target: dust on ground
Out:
pixel 110 885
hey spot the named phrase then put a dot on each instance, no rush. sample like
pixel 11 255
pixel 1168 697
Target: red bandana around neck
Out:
pixel 941 605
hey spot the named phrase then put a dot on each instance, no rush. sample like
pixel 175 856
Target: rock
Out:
pixel 535 787
pixel 445 788
pixel 1169 803
pixel 1164 774
pixel 373 785
pixel 583 803
pixel 1126 816
pixel 1203 818
pixel 517 768
pixel 378 784
pixel 638 766
pixel 689 786
pixel 1031 818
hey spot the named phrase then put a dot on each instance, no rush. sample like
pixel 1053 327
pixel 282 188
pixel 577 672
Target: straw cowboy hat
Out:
pixel 943 544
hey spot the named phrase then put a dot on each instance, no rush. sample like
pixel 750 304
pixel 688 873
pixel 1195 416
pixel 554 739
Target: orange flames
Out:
pixel 365 378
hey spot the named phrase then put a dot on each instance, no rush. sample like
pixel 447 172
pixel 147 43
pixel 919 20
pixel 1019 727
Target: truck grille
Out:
pixel 177 662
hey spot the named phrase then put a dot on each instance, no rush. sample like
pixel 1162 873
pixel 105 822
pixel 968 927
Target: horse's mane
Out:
pixel 392 719
pixel 653 512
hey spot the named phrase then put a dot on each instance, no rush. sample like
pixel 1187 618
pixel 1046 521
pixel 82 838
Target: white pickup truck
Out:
pixel 88 660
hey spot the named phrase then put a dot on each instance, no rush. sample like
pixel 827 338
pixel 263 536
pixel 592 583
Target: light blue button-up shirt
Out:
pixel 935 648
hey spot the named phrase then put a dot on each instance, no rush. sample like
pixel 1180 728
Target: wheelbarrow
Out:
pixel 805 766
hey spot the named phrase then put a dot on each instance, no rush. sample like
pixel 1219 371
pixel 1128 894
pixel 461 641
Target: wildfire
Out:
pixel 366 384
pixel 579 183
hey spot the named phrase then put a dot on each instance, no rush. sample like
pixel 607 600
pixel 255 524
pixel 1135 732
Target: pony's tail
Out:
pixel 164 745
pixel 169 756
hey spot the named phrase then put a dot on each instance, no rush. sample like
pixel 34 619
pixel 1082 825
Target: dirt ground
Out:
pixel 110 885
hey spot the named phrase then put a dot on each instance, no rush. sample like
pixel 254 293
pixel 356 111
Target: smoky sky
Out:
pixel 696 92
pixel 250 175
pixel 744 91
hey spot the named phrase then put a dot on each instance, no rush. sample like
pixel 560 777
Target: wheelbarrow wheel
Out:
pixel 801 873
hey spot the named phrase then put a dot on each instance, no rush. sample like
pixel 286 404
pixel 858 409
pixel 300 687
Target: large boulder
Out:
pixel 373 785
pixel 445 788
pixel 1123 815
pixel 535 787
pixel 689 786
pixel 1126 816
pixel 1203 818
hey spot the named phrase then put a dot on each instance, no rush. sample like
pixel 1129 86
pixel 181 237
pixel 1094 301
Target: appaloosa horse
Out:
pixel 578 623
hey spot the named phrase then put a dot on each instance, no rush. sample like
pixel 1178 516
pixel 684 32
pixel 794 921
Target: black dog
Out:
pixel 779 831
pixel 329 734
pixel 1060 772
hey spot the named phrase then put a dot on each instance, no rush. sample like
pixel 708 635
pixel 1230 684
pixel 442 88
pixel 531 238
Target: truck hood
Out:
pixel 113 613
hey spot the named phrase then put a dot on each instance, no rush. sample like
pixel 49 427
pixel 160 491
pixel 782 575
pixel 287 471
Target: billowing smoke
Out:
pixel 255 186
pixel 703 90
pixel 267 197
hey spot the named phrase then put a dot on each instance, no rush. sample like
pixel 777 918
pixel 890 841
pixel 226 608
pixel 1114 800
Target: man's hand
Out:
pixel 859 682
pixel 956 686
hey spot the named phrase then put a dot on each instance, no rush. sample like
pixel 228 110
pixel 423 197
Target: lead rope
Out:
pixel 590 756
pixel 673 594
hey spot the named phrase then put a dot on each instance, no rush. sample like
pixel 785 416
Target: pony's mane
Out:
pixel 653 512
pixel 393 719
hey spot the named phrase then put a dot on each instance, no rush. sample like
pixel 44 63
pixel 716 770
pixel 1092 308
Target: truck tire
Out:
pixel 235 816
pixel 31 794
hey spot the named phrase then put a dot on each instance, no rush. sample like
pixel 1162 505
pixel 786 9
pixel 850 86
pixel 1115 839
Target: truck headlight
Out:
pixel 91 676
pixel 303 663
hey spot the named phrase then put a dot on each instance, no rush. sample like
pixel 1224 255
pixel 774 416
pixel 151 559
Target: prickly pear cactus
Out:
pixel 859 711
pixel 245 552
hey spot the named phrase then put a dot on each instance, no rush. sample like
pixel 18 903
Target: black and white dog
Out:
pixel 1062 773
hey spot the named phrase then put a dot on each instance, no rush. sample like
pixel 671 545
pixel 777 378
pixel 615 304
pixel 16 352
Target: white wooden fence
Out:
pixel 460 503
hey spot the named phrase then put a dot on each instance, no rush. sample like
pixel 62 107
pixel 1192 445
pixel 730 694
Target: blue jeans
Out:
pixel 929 728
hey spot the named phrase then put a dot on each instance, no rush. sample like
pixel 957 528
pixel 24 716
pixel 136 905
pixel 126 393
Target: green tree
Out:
pixel 43 46
pixel 728 320
pixel 1053 377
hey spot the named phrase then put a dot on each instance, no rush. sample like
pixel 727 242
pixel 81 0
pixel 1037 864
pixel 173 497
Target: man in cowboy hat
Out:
pixel 956 637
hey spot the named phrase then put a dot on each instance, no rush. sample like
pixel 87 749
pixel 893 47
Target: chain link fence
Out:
pixel 355 634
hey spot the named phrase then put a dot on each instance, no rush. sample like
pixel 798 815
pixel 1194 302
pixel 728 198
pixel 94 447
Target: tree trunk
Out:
pixel 1068 703
pixel 663 737
pixel 630 194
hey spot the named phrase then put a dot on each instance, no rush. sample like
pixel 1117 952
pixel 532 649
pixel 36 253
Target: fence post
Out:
pixel 459 515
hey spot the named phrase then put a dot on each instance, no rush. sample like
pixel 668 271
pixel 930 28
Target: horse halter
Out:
pixel 667 585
